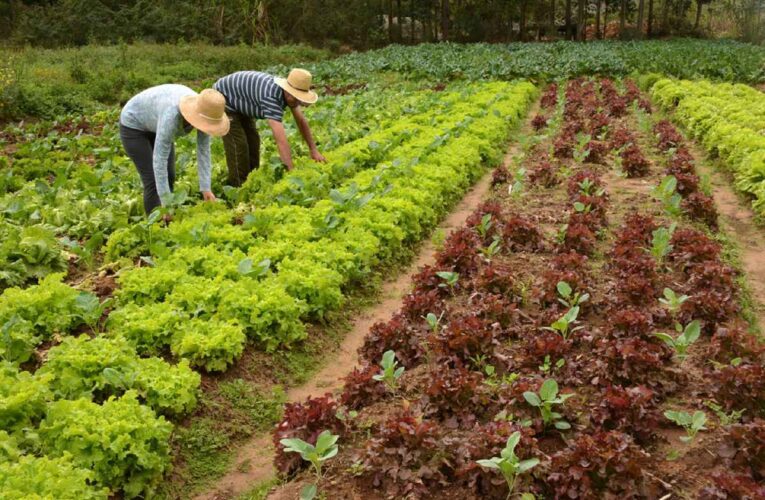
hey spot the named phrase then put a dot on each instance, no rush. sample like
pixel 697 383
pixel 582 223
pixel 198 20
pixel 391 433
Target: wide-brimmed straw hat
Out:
pixel 298 84
pixel 206 111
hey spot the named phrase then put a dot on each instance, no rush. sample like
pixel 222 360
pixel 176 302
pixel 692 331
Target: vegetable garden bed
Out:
pixel 585 321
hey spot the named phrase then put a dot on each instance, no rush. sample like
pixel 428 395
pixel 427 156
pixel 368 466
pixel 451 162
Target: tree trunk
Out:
pixel 553 28
pixel 580 21
pixel 445 14
pixel 522 23
pixel 412 23
pixel 605 19
pixel 399 25
pixel 569 30
pixel 622 18
pixel 665 16
pixel 649 29
pixel 598 4
pixel 641 10
pixel 390 21
pixel 699 6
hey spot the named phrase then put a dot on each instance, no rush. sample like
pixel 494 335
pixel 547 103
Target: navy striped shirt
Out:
pixel 252 94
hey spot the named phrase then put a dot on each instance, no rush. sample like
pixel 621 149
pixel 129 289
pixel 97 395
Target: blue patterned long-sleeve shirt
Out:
pixel 156 110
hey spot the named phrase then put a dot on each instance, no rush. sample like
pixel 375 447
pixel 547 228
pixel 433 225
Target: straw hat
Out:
pixel 206 112
pixel 298 84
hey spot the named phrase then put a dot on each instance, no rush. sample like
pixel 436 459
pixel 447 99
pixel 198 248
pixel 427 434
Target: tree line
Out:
pixel 370 23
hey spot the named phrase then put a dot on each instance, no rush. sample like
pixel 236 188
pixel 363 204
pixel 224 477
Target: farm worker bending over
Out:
pixel 149 124
pixel 252 94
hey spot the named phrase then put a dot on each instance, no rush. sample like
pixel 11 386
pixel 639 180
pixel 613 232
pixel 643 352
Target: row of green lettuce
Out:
pixel 63 192
pixel 219 280
pixel 92 420
pixel 728 120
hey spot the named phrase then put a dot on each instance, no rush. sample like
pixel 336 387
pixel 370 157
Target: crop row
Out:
pixel 66 186
pixel 92 403
pixel 537 363
pixel 285 264
pixel 726 61
pixel 728 120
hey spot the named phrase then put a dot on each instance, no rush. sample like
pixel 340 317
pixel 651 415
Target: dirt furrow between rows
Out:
pixel 738 222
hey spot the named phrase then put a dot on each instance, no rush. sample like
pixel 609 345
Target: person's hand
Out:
pixel 316 156
pixel 208 196
pixel 167 218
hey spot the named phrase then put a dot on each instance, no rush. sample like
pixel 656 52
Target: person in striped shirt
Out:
pixel 254 95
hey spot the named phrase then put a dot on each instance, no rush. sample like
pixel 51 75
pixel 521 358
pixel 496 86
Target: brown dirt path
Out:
pixel 253 463
pixel 738 221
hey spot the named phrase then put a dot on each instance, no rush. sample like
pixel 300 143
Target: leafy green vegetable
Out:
pixel 122 442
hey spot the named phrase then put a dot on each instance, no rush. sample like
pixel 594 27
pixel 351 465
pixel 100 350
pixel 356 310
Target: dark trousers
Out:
pixel 242 145
pixel 139 146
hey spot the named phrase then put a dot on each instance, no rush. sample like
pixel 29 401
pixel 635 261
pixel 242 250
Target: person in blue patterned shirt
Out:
pixel 152 120
pixel 254 95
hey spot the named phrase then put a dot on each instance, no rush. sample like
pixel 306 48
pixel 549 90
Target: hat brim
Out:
pixel 308 97
pixel 188 107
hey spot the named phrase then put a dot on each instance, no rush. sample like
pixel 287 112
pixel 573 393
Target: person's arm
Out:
pixel 204 166
pixel 280 137
pixel 305 131
pixel 163 143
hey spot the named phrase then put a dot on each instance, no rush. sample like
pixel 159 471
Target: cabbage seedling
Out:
pixel 667 193
pixel 450 278
pixel 725 418
pixel 433 321
pixel 672 301
pixel 326 448
pixel 545 400
pixel 509 464
pixel 485 225
pixel 691 423
pixel 568 298
pixel 682 342
pixel 492 250
pixel 390 374
pixel 660 243
pixel 563 325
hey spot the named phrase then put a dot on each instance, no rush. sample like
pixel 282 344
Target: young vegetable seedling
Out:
pixel 509 464
pixel 581 208
pixel 326 448
pixel 581 151
pixel 660 243
pixel 492 250
pixel 568 298
pixel 547 366
pixel 672 301
pixel 726 419
pixel 450 278
pixel 433 321
pixel 563 325
pixel 682 342
pixel 586 186
pixel 485 225
pixel 667 193
pixel 390 374
pixel 691 423
pixel 545 400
